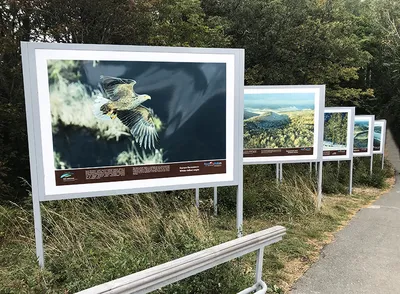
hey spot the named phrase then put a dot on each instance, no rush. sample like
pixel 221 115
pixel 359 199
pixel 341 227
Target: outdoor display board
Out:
pixel 338 133
pixel 363 135
pixel 379 136
pixel 283 124
pixel 106 120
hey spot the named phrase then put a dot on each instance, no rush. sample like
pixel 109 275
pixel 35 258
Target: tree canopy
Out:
pixel 352 46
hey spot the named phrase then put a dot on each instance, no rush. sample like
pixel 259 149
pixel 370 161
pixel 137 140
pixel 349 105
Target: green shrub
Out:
pixel 264 195
pixel 92 241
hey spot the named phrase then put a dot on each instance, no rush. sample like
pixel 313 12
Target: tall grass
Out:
pixel 91 241
pixel 264 195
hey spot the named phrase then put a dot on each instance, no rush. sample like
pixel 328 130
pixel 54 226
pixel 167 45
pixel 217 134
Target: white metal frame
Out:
pixel 36 54
pixel 370 149
pixel 351 111
pixel 381 123
pixel 319 94
pixel 34 57
pixel 350 132
pixel 319 104
pixel 370 119
pixel 159 276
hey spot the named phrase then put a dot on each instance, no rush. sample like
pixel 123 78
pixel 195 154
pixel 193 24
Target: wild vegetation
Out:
pixel 90 241
pixel 298 132
pixel 352 46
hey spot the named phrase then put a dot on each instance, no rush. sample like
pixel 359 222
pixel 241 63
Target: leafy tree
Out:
pixel 335 128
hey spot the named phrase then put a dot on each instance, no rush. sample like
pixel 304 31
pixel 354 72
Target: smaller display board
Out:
pixel 379 136
pixel 283 124
pixel 338 133
pixel 363 135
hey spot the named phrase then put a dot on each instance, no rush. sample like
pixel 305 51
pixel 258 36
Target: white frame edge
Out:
pixel 381 122
pixel 33 118
pixel 318 138
pixel 371 119
pixel 351 111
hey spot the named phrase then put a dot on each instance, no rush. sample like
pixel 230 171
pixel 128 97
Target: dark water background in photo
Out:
pixel 189 98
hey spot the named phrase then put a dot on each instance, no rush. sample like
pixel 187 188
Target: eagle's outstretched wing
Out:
pixel 141 124
pixel 110 86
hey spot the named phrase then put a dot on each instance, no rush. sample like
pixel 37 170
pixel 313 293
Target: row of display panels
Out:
pixel 106 120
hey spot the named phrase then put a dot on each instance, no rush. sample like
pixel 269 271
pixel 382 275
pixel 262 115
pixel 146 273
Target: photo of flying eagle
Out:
pixel 119 100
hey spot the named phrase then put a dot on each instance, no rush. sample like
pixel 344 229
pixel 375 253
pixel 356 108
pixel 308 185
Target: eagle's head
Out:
pixel 144 97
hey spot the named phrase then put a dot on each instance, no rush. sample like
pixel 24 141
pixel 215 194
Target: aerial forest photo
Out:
pixel 278 120
pixel 109 113
pixel 335 131
pixel 377 137
pixel 361 129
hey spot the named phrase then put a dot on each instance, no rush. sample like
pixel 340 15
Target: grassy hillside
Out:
pixel 299 132
pixel 90 241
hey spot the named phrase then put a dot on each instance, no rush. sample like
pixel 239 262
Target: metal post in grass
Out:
pixel 197 197
pixel 371 165
pixel 215 201
pixel 38 231
pixel 281 172
pixel 277 173
pixel 310 168
pixel 239 208
pixel 316 169
pixel 383 159
pixel 351 177
pixel 259 264
pixel 31 115
pixel 319 195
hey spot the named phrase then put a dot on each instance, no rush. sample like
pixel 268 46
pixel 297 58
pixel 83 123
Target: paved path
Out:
pixel 365 256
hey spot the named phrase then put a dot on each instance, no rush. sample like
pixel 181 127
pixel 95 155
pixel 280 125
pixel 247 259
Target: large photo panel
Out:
pixel 363 135
pixel 128 119
pixel 338 133
pixel 379 136
pixel 283 124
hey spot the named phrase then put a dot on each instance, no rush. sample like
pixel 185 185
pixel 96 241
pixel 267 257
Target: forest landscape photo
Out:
pixel 335 133
pixel 115 113
pixel 279 120
pixel 361 129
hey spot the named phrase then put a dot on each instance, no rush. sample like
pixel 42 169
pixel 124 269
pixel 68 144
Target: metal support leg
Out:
pixel 383 159
pixel 197 197
pixel 38 230
pixel 239 208
pixel 215 201
pixel 281 172
pixel 277 173
pixel 371 165
pixel 316 169
pixel 319 195
pixel 259 264
pixel 351 177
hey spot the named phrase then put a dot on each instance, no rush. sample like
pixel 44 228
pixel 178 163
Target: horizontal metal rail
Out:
pixel 159 276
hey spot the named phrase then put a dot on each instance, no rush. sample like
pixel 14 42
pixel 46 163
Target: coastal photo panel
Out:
pixel 283 123
pixel 379 136
pixel 363 135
